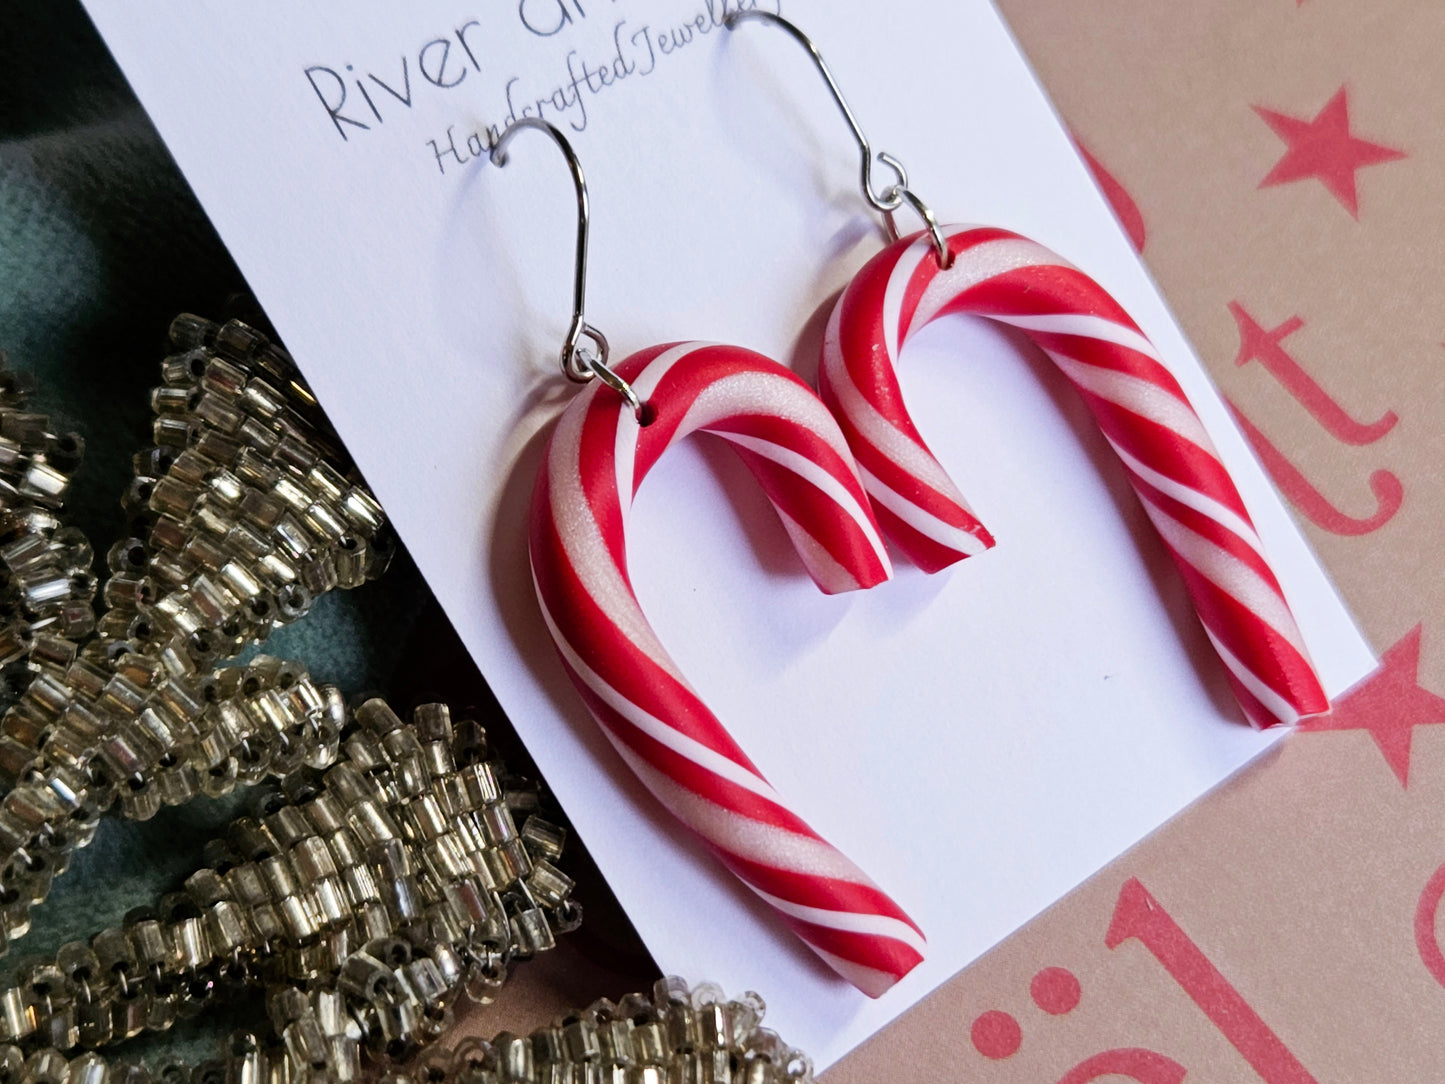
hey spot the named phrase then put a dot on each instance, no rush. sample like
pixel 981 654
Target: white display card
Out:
pixel 981 740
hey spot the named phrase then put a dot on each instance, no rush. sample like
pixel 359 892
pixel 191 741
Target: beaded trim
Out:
pixel 242 513
pixel 46 586
pixel 677 1036
pixel 406 850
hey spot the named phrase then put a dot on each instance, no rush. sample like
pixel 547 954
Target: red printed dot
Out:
pixel 997 1035
pixel 1055 990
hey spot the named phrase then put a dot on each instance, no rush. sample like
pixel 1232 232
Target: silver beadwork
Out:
pixel 313 894
pixel 689 1036
pixel 46 586
pixel 244 512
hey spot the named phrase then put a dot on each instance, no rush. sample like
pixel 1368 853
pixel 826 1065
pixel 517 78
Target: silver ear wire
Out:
pixel 578 363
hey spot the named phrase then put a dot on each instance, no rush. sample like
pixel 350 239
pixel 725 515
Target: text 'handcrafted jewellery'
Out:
pixel 1137 402
pixel 604 444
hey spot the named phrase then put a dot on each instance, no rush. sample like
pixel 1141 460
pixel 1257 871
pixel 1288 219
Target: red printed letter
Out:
pixel 1144 1066
pixel 1389 493
pixel 1426 943
pixel 1138 915
pixel 1256 344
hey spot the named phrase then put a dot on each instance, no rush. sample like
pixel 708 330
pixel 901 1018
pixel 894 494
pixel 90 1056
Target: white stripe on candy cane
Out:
pixel 920 519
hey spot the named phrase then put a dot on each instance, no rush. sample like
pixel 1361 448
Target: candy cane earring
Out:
pixel 1138 404
pixel 604 444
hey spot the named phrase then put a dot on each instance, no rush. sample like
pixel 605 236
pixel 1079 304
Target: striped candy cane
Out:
pixel 597 458
pixel 1138 404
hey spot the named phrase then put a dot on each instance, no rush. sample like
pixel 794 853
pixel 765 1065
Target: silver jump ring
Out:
pixel 576 362
pixel 906 195
pixel 582 366
pixel 622 388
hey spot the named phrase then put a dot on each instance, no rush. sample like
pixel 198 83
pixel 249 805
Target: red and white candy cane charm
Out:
pixel 598 456
pixel 1139 405
pixel 604 444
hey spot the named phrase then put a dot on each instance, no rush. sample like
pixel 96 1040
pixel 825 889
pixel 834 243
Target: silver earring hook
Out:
pixel 888 200
pixel 578 363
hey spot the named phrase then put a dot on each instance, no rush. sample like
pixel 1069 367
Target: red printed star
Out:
pixel 1389 704
pixel 1324 148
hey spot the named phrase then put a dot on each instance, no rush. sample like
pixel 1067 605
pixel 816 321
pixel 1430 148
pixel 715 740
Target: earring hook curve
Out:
pixel 888 200
pixel 578 364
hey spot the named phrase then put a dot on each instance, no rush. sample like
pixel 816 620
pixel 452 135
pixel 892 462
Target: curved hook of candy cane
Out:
pixel 682 753
pixel 1140 407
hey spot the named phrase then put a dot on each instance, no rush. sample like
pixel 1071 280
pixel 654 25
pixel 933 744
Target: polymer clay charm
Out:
pixel 604 444
pixel 677 747
pixel 1138 404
